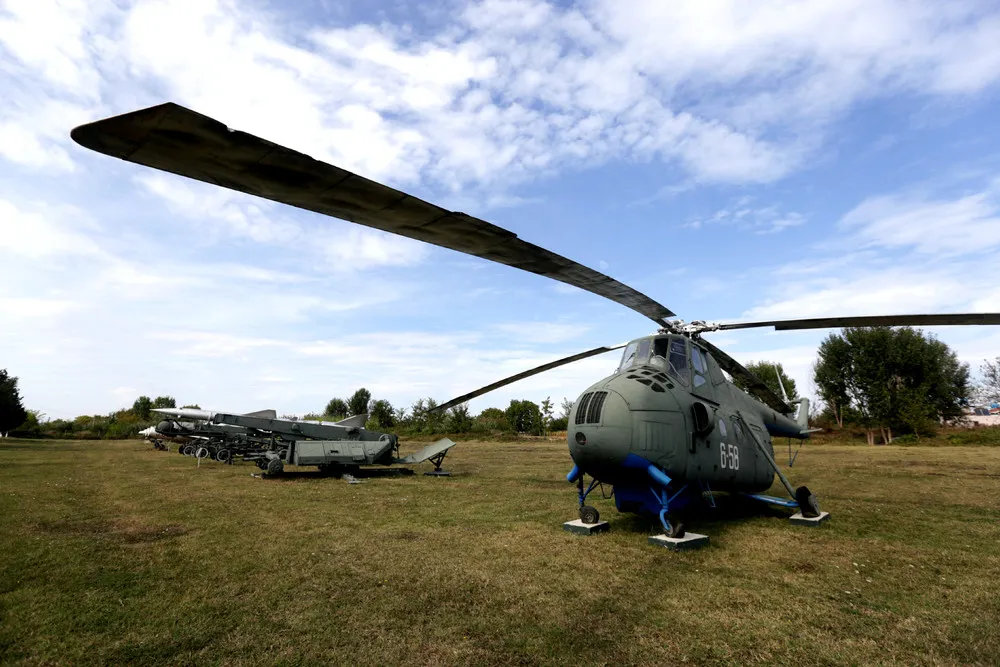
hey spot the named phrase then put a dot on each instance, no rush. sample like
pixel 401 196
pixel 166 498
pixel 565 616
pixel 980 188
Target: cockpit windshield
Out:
pixel 628 358
pixel 674 351
pixel 636 353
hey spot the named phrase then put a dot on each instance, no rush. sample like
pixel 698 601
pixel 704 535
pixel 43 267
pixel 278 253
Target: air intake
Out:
pixel 581 409
pixel 596 405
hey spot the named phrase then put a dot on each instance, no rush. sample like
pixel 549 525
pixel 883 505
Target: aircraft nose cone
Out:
pixel 599 440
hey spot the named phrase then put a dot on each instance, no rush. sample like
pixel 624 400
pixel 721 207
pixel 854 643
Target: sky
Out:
pixel 732 160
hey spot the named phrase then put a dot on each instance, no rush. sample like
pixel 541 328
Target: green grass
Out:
pixel 113 553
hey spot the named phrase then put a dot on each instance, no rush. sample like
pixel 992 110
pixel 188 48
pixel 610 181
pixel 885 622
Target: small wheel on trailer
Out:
pixel 589 515
pixel 808 504
pixel 223 456
pixel 202 453
pixel 188 450
pixel 275 466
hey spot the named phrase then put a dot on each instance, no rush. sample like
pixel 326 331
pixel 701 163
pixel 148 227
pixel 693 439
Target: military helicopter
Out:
pixel 666 429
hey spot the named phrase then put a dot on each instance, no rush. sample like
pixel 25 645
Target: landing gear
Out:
pixel 275 466
pixel 808 504
pixel 589 514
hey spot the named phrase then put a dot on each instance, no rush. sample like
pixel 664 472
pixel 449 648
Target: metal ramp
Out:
pixel 434 453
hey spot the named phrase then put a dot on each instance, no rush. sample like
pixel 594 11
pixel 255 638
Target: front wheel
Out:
pixel 676 530
pixel 589 514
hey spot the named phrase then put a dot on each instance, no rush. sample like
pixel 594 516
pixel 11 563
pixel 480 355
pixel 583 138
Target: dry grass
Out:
pixel 110 552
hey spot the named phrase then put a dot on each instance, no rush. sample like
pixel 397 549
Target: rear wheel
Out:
pixel 589 514
pixel 808 504
pixel 275 466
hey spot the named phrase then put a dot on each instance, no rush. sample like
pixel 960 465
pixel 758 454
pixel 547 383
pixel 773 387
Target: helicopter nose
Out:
pixel 600 432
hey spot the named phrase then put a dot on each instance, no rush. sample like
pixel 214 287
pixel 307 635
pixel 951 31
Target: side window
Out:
pixel 629 357
pixel 677 361
pixel 700 365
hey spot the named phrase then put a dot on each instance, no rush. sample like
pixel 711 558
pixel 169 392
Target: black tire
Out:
pixel 589 515
pixel 202 453
pixel 275 466
pixel 676 530
pixel 223 456
pixel 808 504
pixel 188 450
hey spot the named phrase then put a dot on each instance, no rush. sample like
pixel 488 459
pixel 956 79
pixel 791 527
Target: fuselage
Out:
pixel 669 405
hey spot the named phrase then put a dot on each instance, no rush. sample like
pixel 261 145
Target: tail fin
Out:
pixel 357 421
pixel 802 416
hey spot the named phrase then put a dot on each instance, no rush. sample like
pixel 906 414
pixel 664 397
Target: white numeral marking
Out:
pixel 729 456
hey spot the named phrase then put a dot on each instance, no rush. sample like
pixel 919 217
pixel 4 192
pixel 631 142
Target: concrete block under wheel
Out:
pixel 798 520
pixel 689 541
pixel 580 528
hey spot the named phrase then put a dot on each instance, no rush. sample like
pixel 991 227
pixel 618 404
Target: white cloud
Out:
pixel 733 92
pixel 969 224
pixel 341 246
pixel 741 215
pixel 43 232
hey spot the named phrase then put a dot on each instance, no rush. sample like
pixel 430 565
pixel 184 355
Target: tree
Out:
pixel 567 407
pixel 142 407
pixel 989 386
pixel 193 406
pixel 830 373
pixel 459 420
pixel 12 413
pixel 546 414
pixel 491 420
pixel 357 404
pixel 164 402
pixel 337 407
pixel 892 378
pixel 524 417
pixel 383 414
pixel 434 418
pixel 769 373
pixel 418 415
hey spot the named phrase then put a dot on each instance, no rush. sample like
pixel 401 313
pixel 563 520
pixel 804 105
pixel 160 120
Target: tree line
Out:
pixel 422 418
pixel 886 381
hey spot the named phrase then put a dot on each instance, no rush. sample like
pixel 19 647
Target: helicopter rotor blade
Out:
pixel 525 374
pixel 868 321
pixel 172 138
pixel 754 384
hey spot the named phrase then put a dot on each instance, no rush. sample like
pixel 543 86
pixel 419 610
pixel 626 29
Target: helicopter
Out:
pixel 667 429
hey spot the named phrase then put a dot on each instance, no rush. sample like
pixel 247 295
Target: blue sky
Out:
pixel 732 160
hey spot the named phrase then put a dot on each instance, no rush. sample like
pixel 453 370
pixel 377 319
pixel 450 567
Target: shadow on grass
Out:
pixel 729 512
pixel 364 473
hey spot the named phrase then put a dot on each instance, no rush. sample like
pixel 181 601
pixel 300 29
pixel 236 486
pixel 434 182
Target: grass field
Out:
pixel 111 552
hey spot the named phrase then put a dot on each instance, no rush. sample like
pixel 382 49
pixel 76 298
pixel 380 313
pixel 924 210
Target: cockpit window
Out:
pixel 700 365
pixel 642 355
pixel 629 357
pixel 677 361
pixel 674 350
